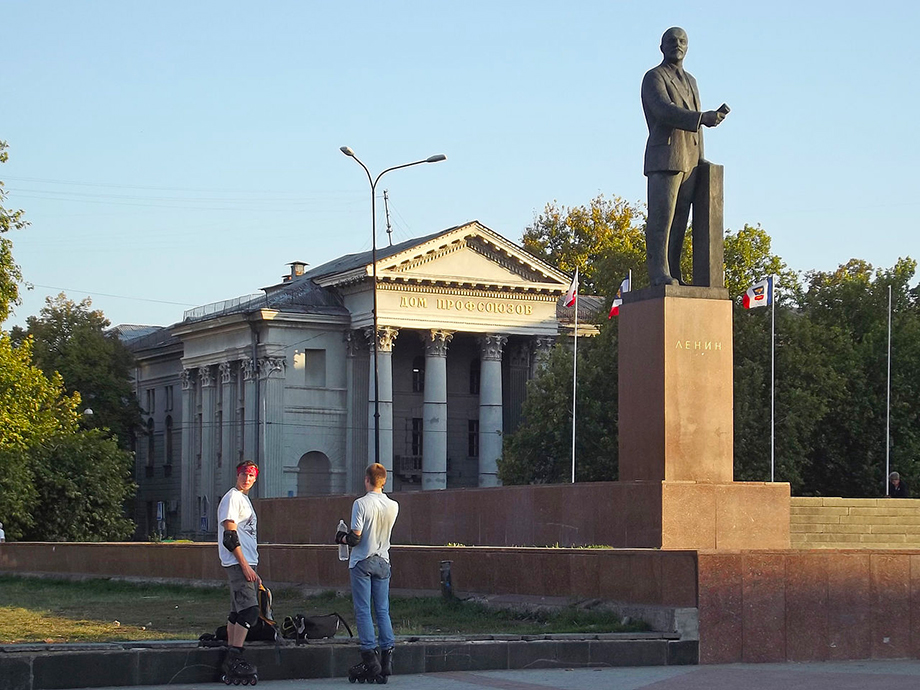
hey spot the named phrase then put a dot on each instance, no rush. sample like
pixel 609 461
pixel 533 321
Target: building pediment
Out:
pixel 469 256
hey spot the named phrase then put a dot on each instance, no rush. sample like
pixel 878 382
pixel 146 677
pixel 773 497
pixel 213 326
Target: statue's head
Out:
pixel 674 44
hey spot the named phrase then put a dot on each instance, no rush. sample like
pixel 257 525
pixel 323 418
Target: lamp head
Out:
pixel 437 158
pixel 347 151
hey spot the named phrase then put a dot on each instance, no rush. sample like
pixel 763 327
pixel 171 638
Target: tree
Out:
pixel 33 407
pixel 749 259
pixel 850 307
pixel 74 340
pixel 540 451
pixel 82 482
pixel 10 275
pixel 603 240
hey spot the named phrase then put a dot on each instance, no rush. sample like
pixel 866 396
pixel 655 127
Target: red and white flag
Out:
pixel 759 294
pixel 618 300
pixel 572 295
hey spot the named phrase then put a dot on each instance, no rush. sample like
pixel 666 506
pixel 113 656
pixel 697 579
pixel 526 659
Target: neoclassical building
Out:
pixel 286 377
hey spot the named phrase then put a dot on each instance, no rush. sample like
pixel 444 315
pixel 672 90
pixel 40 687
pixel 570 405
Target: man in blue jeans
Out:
pixel 372 519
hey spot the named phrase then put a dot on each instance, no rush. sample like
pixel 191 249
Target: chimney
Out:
pixel 297 269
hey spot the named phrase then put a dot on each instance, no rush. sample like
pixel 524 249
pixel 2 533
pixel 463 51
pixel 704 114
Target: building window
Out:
pixel 418 375
pixel 169 399
pixel 313 364
pixel 220 438
pixel 417 436
pixel 474 377
pixel 241 434
pixel 169 440
pixel 199 436
pixel 473 438
pixel 150 442
pixel 151 400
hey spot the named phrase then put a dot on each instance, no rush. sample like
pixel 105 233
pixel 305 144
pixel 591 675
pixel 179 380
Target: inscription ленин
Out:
pixel 699 345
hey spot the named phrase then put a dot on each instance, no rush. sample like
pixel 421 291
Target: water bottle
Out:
pixel 343 548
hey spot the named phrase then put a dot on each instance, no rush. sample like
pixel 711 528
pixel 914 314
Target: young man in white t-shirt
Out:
pixel 238 546
pixel 372 519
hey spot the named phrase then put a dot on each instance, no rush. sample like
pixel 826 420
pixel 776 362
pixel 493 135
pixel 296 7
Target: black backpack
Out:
pixel 302 628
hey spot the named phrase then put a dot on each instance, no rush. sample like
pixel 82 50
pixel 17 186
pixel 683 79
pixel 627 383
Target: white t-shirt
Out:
pixel 374 515
pixel 2 535
pixel 236 506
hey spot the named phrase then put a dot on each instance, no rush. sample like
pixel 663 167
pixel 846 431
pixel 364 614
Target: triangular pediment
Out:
pixel 469 255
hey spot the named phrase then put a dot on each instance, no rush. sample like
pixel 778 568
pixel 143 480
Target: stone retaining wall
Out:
pixel 854 523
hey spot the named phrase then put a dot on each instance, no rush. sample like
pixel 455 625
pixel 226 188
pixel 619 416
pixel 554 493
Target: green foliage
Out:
pixel 604 240
pixel 83 480
pixel 10 275
pixel 33 407
pixel 749 259
pixel 540 452
pixel 73 339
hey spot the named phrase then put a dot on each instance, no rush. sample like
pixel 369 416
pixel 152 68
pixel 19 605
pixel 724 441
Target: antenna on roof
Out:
pixel 386 206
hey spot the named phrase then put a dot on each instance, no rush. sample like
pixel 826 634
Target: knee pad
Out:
pixel 248 617
pixel 231 619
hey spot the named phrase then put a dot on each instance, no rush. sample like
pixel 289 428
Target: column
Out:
pixel 434 430
pixel 228 448
pixel 250 405
pixel 208 448
pixel 187 517
pixel 271 381
pixel 490 408
pixel 385 338
pixel 356 420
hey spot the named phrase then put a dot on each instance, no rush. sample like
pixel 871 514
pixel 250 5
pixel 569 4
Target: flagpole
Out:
pixel 888 405
pixel 574 377
pixel 772 375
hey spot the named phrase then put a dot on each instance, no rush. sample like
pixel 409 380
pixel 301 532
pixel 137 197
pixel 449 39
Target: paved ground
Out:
pixel 851 675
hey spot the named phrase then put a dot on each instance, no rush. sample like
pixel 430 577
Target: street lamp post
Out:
pixel 437 158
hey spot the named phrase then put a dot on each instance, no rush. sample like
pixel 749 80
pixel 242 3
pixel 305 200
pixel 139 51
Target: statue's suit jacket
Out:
pixel 672 112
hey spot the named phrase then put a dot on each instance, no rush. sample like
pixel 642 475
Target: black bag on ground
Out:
pixel 302 627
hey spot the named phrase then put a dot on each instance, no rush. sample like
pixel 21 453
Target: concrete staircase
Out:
pixel 854 523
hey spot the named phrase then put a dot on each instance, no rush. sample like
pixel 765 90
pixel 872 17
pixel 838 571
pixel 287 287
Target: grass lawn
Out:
pixel 46 610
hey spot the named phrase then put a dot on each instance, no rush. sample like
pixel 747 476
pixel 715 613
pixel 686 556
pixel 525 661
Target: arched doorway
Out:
pixel 314 476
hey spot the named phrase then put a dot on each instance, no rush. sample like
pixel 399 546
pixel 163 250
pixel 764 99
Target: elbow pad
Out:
pixel 231 540
pixel 352 539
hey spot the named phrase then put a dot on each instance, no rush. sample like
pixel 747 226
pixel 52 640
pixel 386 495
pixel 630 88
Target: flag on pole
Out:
pixel 618 300
pixel 572 295
pixel 759 294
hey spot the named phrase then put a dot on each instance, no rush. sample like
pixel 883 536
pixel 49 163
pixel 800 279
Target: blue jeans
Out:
pixel 370 580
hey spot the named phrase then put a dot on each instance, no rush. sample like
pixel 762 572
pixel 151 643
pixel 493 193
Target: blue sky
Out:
pixel 172 154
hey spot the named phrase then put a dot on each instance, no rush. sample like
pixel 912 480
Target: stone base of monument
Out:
pixel 676 427
pixel 694 515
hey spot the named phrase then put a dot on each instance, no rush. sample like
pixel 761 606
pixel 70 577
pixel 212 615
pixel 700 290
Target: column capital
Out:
pixel 247 366
pixel 205 376
pixel 386 336
pixel 543 346
pixel 490 347
pixel 521 354
pixel 270 365
pixel 186 378
pixel 224 368
pixel 436 342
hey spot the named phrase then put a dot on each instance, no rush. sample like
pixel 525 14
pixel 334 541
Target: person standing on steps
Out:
pixel 372 519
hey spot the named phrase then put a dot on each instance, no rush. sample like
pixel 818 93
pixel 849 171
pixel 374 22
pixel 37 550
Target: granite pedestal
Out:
pixel 676 426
